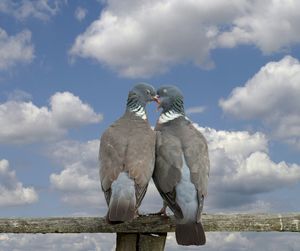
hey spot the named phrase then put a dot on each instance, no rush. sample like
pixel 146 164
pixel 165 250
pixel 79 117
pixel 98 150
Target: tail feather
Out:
pixel 122 203
pixel 191 233
pixel 121 209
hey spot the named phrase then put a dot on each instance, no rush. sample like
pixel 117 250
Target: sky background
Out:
pixel 65 71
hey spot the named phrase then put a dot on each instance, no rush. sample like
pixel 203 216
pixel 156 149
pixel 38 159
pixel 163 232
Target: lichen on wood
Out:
pixel 288 222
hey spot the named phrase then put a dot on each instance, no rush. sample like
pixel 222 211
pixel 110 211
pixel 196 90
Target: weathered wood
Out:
pixel 127 242
pixel 141 241
pixel 150 242
pixel 289 222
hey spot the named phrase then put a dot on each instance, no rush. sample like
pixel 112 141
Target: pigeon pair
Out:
pixel 175 155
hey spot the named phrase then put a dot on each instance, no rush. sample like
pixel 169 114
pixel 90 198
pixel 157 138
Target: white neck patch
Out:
pixel 168 116
pixel 140 112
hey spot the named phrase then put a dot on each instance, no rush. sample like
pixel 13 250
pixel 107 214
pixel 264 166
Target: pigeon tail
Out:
pixel 122 202
pixel 190 233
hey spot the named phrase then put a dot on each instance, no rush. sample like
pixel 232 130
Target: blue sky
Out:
pixel 65 71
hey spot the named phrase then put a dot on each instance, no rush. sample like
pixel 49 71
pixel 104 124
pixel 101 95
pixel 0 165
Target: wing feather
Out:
pixel 127 145
pixel 167 172
pixel 196 155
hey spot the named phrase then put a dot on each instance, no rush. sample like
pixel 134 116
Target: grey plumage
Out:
pixel 181 167
pixel 127 152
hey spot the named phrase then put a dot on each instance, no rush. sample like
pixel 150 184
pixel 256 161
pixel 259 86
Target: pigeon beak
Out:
pixel 156 99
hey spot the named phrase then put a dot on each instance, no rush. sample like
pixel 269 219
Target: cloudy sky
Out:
pixel 66 68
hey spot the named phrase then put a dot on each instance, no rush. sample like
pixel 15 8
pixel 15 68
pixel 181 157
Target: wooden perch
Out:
pixel 289 222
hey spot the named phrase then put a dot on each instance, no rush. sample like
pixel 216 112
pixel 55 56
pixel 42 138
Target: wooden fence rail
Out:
pixel 149 232
pixel 289 222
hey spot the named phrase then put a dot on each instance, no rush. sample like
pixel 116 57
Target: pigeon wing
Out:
pixel 127 145
pixel 111 159
pixel 140 158
pixel 197 158
pixel 167 172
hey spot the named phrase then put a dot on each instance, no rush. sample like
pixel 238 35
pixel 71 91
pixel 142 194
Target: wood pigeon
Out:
pixel 127 156
pixel 181 167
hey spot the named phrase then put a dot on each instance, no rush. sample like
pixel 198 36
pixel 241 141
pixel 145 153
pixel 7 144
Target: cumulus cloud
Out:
pixel 242 241
pixel 21 10
pixel 216 241
pixel 259 174
pixel 19 95
pixel 195 109
pixel 24 122
pixel 143 38
pixel 241 169
pixel 12 191
pixel 270 25
pixel 15 49
pixel 97 242
pixel 62 242
pixel 78 182
pixel 272 96
pixel 80 13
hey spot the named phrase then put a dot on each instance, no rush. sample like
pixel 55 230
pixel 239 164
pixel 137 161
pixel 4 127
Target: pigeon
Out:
pixel 181 167
pixel 127 157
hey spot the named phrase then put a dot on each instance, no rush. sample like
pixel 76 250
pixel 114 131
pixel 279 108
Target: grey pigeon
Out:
pixel 127 156
pixel 181 167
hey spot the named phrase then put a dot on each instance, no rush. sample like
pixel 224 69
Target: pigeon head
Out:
pixel 140 95
pixel 170 99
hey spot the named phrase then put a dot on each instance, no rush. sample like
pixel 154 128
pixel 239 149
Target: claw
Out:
pixel 162 211
pixel 137 214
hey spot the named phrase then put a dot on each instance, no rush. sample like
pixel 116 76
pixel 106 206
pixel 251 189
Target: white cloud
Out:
pixel 106 242
pixel 73 178
pixel 143 38
pixel 12 191
pixel 152 201
pixel 62 242
pixel 216 241
pixel 19 95
pixel 80 13
pixel 40 9
pixel 259 174
pixel 271 95
pixel 15 49
pixel 69 111
pixel 79 181
pixel 24 122
pixel 238 144
pixel 241 242
pixel 196 109
pixel 270 25
pixel 241 169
